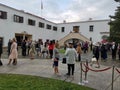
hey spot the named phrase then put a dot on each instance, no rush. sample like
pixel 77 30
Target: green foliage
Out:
pixel 115 25
pixel 25 82
pixel 117 0
pixel 62 51
pixel 105 37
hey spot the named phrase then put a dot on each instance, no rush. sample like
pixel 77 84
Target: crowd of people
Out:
pixel 50 49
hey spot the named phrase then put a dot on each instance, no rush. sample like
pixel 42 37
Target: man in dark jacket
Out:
pixel 23 46
pixel 9 46
pixel 1 51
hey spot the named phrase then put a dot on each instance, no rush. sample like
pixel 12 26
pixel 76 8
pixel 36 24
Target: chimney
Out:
pixel 64 21
pixel 90 19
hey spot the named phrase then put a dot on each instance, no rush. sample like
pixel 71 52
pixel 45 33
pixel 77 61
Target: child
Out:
pixel 55 59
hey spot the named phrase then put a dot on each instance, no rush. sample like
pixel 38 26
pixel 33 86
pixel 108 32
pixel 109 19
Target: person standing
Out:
pixel 32 50
pixel 114 50
pixel 1 51
pixel 28 43
pixel 71 55
pixel 119 51
pixel 23 46
pixel 51 47
pixel 56 58
pixel 96 54
pixel 103 52
pixel 85 47
pixel 9 46
pixel 13 52
pixel 79 51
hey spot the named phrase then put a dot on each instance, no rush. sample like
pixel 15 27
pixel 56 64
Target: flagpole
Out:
pixel 41 7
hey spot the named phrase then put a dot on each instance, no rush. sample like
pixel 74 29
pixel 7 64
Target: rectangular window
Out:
pixel 76 29
pixel 54 28
pixel 91 27
pixel 48 26
pixel 18 19
pixel 62 29
pixel 41 24
pixel 3 15
pixel 90 38
pixel 31 22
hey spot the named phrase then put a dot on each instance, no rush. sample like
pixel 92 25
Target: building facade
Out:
pixel 23 25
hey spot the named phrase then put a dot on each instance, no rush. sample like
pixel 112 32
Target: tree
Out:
pixel 115 25
pixel 105 37
pixel 117 0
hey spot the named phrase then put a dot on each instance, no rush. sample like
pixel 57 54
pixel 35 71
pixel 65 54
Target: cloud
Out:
pixel 83 10
pixel 69 10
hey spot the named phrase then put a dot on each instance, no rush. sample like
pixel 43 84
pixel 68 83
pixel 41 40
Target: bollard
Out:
pixel 112 77
pixel 81 82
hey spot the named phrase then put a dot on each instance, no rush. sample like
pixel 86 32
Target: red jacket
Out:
pixel 51 46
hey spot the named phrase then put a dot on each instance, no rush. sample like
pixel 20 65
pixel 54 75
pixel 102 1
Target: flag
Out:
pixel 41 5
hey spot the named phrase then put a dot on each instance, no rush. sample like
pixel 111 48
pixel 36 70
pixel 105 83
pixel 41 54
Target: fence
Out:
pixel 113 83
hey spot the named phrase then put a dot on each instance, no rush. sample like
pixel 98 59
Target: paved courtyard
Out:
pixel 43 68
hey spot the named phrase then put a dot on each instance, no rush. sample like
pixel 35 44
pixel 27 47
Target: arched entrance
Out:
pixel 75 41
pixel 74 37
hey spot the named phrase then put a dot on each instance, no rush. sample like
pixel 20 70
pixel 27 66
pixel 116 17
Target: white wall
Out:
pixel 99 26
pixel 8 27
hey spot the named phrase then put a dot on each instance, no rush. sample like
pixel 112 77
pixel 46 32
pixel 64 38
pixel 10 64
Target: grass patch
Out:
pixel 27 82
pixel 62 51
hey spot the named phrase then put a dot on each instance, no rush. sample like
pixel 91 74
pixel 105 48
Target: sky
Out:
pixel 69 10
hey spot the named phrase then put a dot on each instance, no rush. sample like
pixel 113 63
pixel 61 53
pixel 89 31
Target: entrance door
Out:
pixel 20 37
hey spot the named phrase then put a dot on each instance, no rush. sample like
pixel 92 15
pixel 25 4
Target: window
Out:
pixel 31 22
pixel 48 26
pixel 41 24
pixel 18 19
pixel 76 29
pixel 91 28
pixel 90 38
pixel 62 29
pixel 54 28
pixel 3 15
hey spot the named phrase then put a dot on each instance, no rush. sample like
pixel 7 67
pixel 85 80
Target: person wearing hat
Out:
pixel 71 55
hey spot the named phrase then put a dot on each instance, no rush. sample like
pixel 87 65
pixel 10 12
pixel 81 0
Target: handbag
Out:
pixel 64 60
pixel 93 59
pixel 1 63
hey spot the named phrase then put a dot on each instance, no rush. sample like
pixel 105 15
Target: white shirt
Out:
pixel 71 55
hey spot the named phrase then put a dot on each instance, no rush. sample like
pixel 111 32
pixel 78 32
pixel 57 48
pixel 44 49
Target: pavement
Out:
pixel 43 68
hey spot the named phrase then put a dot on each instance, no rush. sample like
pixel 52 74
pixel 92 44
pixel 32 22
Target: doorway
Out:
pixel 19 37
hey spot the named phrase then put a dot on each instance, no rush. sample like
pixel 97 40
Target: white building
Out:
pixel 20 24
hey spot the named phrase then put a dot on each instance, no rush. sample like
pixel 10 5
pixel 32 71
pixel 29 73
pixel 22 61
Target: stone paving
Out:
pixel 43 68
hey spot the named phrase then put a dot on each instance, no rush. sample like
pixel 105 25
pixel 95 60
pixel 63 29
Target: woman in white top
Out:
pixel 71 55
